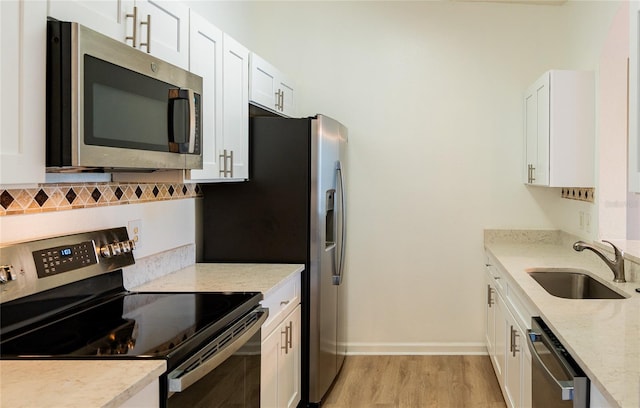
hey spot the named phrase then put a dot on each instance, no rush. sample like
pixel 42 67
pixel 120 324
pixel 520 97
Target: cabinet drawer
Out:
pixel 280 302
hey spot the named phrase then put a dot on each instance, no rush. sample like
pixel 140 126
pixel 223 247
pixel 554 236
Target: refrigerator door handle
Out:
pixel 337 279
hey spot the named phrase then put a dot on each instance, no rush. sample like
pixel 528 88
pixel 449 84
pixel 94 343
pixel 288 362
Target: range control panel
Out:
pixel 64 258
pixel 31 267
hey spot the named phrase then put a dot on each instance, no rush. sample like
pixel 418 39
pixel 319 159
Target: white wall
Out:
pixel 612 130
pixel 431 93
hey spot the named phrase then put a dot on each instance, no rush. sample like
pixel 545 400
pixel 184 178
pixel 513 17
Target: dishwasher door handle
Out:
pixel 567 387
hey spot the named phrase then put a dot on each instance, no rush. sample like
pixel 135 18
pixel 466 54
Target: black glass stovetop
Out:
pixel 132 325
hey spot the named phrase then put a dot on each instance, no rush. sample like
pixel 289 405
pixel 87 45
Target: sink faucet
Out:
pixel 616 265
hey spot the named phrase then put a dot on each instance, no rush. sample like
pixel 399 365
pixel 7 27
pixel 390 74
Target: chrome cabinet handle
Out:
pixel 288 336
pixel 533 174
pixel 511 339
pixel 223 158
pixel 148 43
pixel 279 100
pixel 531 178
pixel 285 344
pixel 133 37
pixel 489 296
pixel 514 346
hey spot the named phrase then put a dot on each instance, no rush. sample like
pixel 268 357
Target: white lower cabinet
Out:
pixel 280 370
pixel 515 367
pixel 506 326
pixel 280 366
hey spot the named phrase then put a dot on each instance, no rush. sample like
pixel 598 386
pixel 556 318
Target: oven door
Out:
pixel 225 372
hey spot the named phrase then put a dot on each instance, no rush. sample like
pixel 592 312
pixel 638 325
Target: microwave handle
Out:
pixel 187 95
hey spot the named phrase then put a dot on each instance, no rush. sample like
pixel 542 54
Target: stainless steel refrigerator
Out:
pixel 291 210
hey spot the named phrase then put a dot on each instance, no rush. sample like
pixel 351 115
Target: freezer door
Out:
pixel 327 251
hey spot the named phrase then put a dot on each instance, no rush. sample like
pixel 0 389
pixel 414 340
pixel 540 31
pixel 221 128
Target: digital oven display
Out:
pixel 66 258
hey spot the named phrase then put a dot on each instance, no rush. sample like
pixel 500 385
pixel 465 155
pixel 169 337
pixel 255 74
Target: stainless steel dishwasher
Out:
pixel 556 379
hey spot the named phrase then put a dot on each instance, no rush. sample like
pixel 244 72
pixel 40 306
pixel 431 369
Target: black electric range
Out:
pixel 64 298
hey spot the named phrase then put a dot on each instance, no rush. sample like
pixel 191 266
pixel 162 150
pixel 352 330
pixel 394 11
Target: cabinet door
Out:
pixel 280 379
pixel 634 97
pixel 22 91
pixel 269 352
pixel 205 60
pixel 537 132
pixel 263 83
pixel 269 88
pixel 514 343
pixel 163 30
pixel 235 134
pixel 490 307
pixel 104 16
pixel 501 337
pixel 287 102
pixel 289 362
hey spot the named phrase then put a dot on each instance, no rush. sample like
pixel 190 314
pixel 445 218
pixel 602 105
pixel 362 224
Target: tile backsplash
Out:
pixel 70 196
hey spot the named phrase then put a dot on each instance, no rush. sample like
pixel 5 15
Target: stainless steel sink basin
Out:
pixel 572 284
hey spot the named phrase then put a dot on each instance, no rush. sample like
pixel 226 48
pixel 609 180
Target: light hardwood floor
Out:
pixel 415 382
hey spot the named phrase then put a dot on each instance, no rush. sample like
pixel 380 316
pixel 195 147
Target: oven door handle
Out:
pixel 566 387
pixel 181 378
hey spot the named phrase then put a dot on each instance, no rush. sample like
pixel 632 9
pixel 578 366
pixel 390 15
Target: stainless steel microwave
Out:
pixel 112 107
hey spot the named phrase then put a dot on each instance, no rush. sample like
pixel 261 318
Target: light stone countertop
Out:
pixel 108 383
pixel 602 335
pixel 74 383
pixel 221 277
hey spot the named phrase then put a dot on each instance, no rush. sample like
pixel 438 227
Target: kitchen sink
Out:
pixel 572 284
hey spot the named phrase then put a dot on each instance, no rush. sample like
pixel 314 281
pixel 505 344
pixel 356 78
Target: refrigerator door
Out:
pixel 327 249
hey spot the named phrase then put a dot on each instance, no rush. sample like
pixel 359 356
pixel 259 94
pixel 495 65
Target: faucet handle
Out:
pixel 618 253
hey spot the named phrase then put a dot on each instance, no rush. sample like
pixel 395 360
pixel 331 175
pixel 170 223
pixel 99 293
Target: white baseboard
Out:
pixel 416 349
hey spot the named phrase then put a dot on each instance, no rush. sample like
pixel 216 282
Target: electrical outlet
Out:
pixel 581 220
pixel 134 228
pixel 587 222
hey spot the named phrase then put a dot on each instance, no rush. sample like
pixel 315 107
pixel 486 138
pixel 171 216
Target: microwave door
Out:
pixel 119 115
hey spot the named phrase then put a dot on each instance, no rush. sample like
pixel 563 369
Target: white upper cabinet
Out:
pixel 634 97
pixel 163 30
pixel 205 60
pixel 270 88
pixel 559 130
pixel 22 92
pixel 223 64
pixel 104 16
pixel 235 101
pixel 160 28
